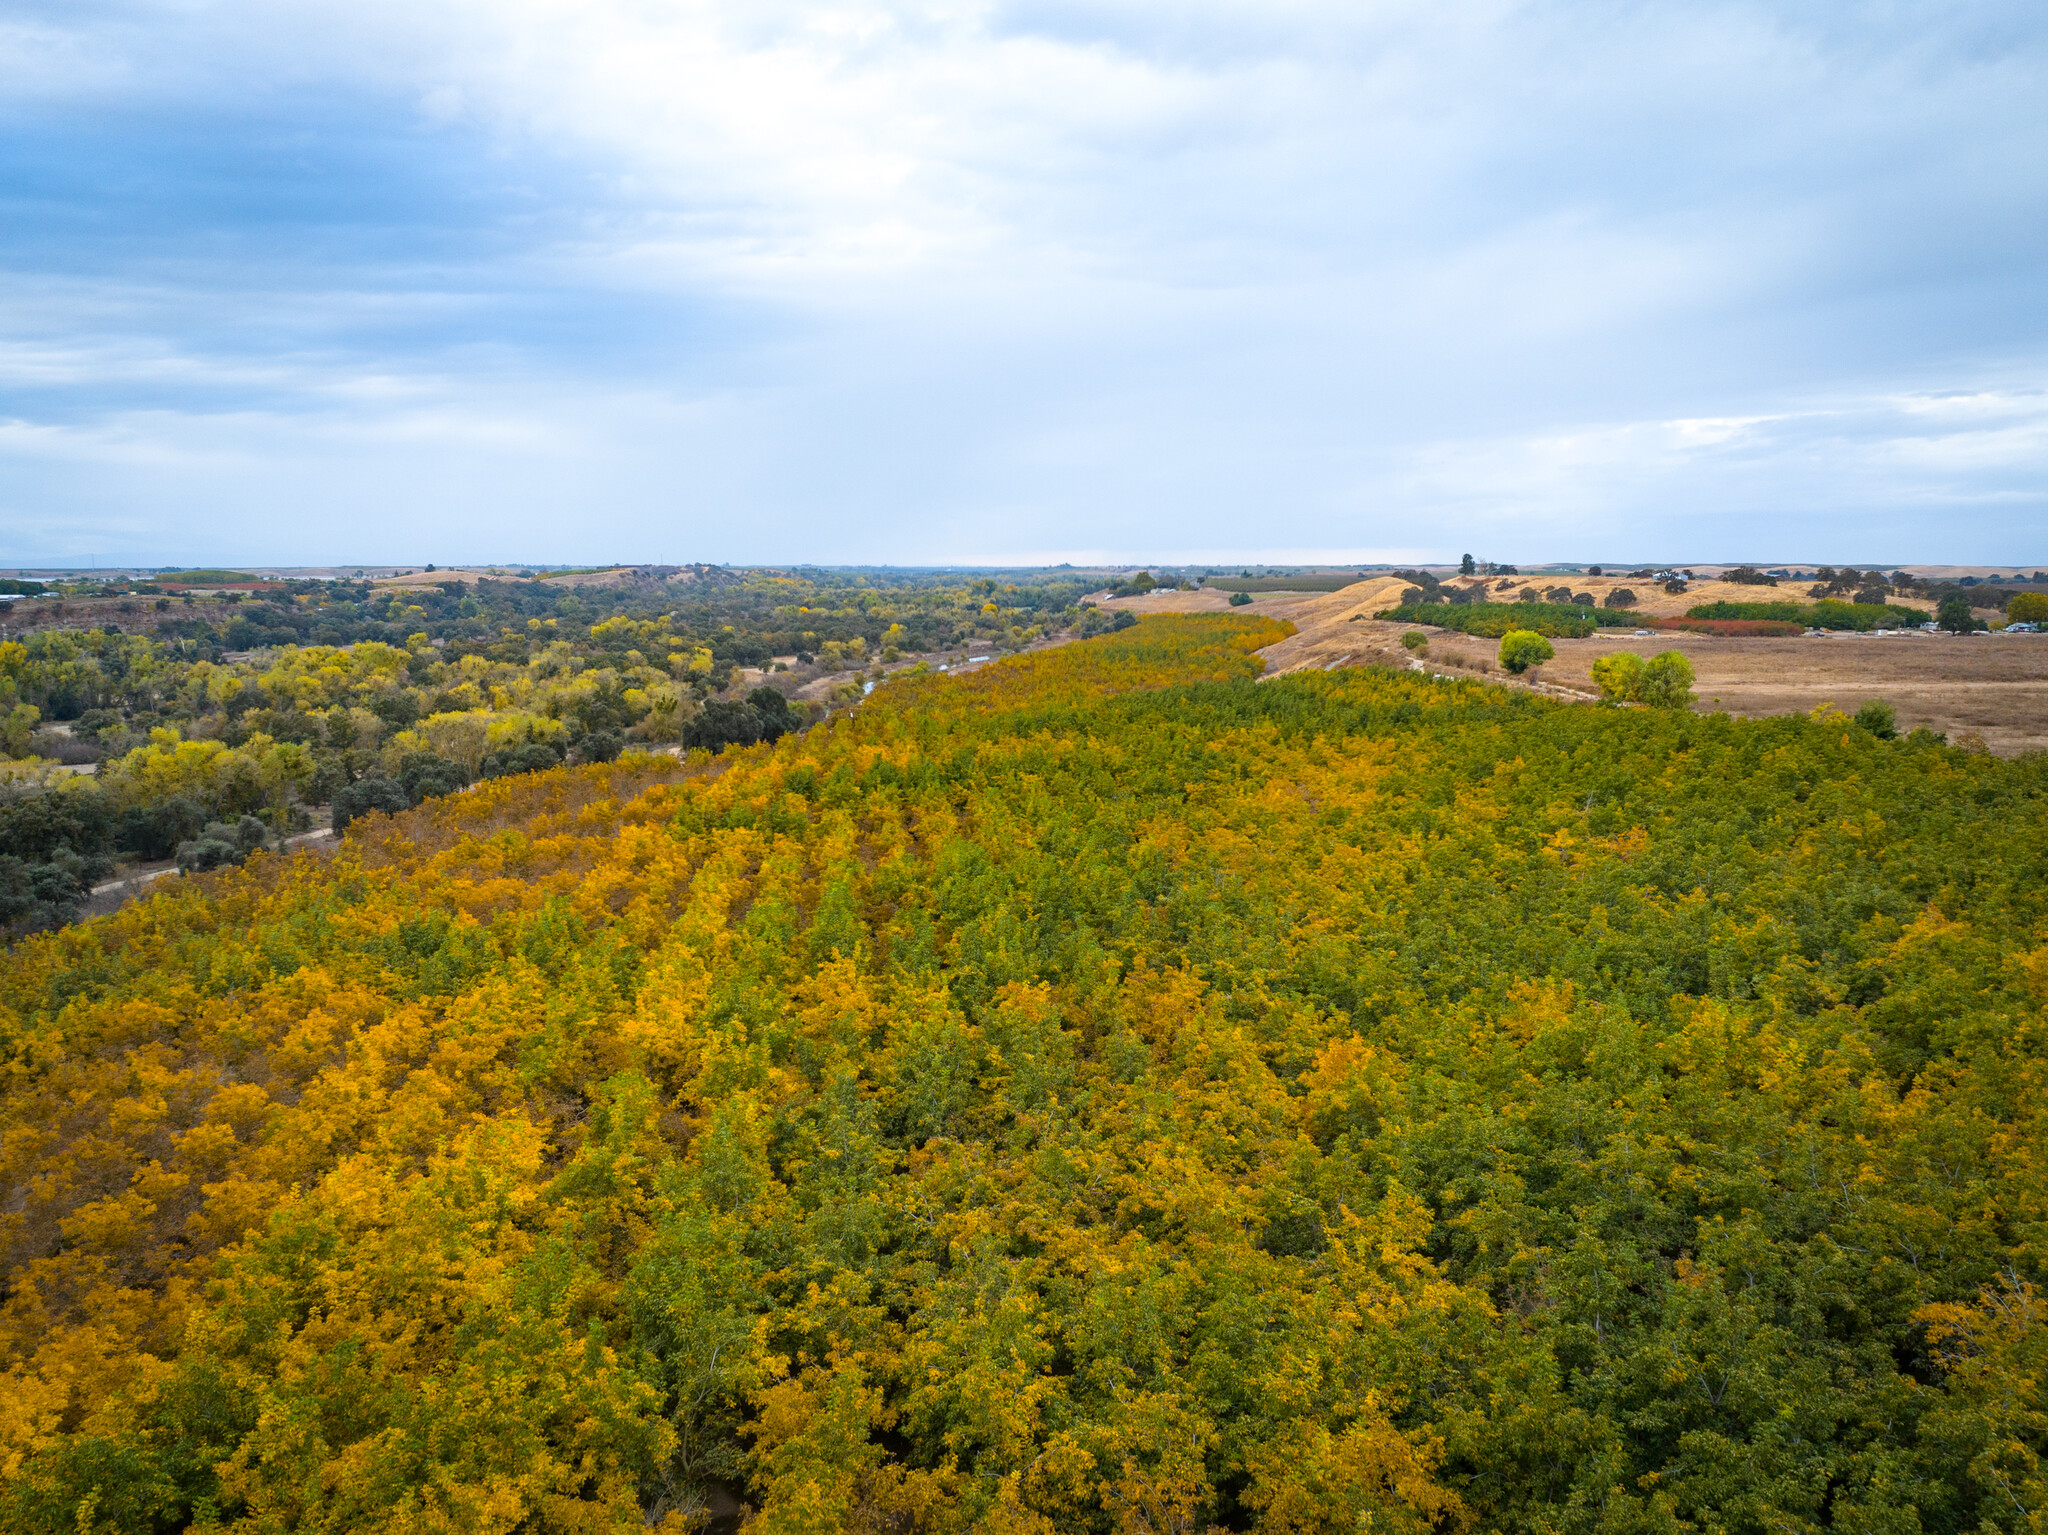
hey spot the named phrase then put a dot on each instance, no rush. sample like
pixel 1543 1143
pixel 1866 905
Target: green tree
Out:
pixel 1663 682
pixel 1467 565
pixel 1953 614
pixel 220 843
pixel 427 776
pixel 1879 718
pixel 1620 677
pixel 1416 641
pixel 365 795
pixel 16 726
pixel 1667 681
pixel 2027 607
pixel 1521 649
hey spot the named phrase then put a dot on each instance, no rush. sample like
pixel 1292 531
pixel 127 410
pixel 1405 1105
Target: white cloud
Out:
pixel 862 276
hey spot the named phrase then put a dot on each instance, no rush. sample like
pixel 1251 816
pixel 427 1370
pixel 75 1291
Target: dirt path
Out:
pixel 1333 626
pixel 118 892
pixel 819 689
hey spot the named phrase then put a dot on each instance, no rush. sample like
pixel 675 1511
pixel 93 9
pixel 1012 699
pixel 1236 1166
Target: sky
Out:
pixel 574 281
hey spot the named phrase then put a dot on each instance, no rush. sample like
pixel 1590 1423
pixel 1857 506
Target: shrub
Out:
pixel 765 715
pixel 1662 682
pixel 1879 718
pixel 366 795
pixel 722 723
pixel 1667 681
pixel 1521 649
pixel 17 729
pixel 48 893
pixel 1416 641
pixel 398 711
pixel 532 757
pixel 95 721
pixel 1240 599
pixel 1862 617
pixel 154 831
pixel 220 844
pixel 777 718
pixel 601 746
pixel 1620 676
pixel 1491 620
pixel 427 776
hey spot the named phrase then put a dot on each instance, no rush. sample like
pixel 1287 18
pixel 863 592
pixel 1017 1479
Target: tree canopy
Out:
pixel 1098 1091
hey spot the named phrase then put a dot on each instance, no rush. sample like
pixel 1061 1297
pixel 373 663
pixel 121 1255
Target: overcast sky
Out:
pixel 288 281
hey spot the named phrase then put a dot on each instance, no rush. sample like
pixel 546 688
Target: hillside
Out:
pixel 1322 621
pixel 1087 1093
pixel 1990 690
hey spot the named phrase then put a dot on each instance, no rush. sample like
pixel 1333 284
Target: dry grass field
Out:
pixel 1995 686
pixel 1992 686
pixel 1329 635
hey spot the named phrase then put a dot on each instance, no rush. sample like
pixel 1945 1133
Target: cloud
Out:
pixel 926 281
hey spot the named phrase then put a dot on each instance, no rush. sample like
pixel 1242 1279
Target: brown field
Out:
pixel 1992 686
pixel 1995 686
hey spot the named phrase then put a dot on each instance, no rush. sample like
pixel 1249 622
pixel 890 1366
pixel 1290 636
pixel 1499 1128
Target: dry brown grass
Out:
pixel 1992 686
pixel 1328 635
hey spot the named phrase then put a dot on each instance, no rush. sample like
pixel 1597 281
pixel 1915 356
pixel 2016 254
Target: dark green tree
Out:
pixel 365 795
pixel 427 776
pixel 1953 614
pixel 532 757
